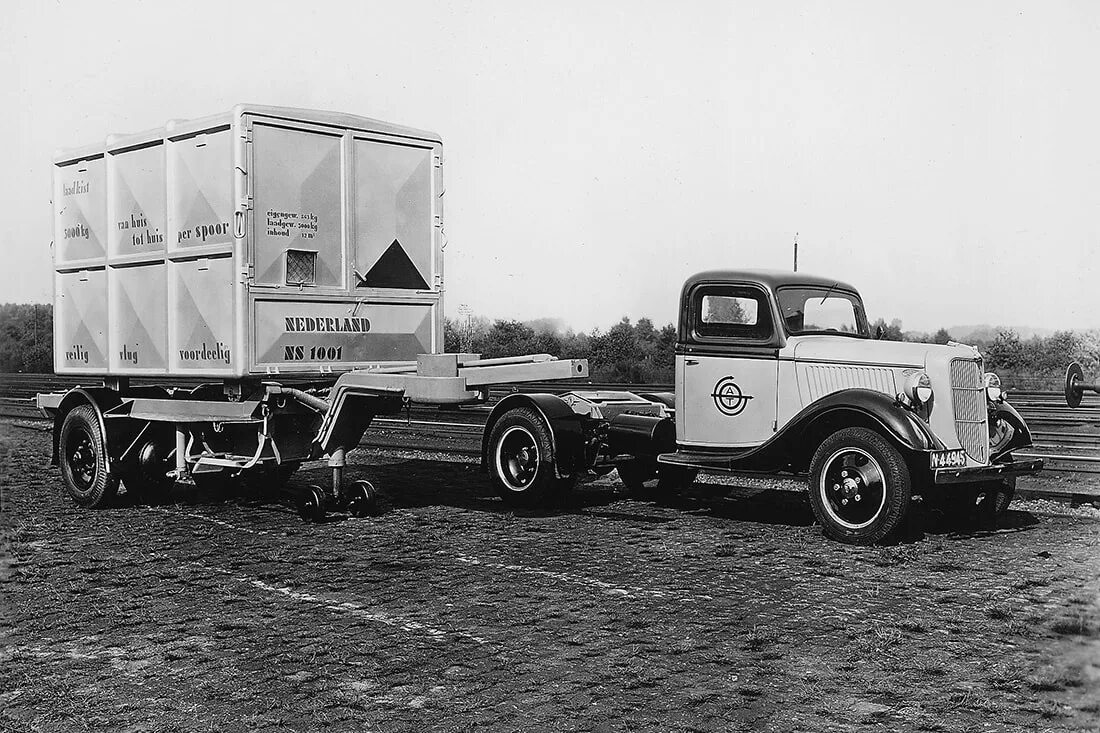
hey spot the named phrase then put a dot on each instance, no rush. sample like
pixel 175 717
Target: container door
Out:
pixel 298 227
pixel 80 221
pixel 201 305
pixel 80 322
pixel 394 215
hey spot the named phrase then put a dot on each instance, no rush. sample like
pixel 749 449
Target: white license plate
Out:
pixel 948 458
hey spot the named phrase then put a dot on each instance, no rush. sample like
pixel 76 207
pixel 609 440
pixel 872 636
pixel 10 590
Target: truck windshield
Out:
pixel 822 310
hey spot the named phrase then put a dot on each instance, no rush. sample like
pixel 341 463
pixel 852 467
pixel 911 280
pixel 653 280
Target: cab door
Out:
pixel 727 368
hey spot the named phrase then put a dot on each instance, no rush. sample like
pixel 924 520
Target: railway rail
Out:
pixel 1067 439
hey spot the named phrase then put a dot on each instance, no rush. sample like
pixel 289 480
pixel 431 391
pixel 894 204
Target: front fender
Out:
pixel 1021 435
pixel 566 433
pixel 101 399
pixel 838 408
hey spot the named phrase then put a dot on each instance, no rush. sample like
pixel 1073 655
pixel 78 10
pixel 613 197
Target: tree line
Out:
pixel 635 352
pixel 26 338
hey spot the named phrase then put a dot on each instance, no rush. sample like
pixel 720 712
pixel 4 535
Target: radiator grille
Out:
pixel 301 267
pixel 968 400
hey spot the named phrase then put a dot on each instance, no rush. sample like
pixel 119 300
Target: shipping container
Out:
pixel 267 240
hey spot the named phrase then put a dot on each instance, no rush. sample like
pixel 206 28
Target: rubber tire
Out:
pixel 674 479
pixel 1000 493
pixel 634 474
pixel 311 504
pixel 898 486
pixel 140 484
pixel 546 489
pixel 362 499
pixel 104 486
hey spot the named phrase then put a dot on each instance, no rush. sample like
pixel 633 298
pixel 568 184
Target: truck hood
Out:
pixel 868 351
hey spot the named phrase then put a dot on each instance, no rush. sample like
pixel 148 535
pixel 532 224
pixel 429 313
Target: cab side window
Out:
pixel 725 311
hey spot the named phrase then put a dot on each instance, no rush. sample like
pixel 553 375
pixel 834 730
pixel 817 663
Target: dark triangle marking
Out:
pixel 394 269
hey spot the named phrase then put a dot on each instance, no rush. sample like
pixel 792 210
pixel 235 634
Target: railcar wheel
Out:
pixel 859 486
pixel 83 454
pixel 521 460
pixel 311 504
pixel 362 499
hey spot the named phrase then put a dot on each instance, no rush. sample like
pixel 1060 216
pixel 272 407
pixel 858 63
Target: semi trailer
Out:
pixel 294 259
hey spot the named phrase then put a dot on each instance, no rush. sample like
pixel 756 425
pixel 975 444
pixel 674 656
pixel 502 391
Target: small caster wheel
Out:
pixel 362 499
pixel 311 504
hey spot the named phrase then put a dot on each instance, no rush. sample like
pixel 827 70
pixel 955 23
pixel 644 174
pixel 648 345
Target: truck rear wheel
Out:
pixel 634 475
pixel 859 486
pixel 521 460
pixel 83 456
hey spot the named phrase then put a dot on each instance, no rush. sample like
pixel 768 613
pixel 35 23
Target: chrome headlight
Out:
pixel 919 388
pixel 993 387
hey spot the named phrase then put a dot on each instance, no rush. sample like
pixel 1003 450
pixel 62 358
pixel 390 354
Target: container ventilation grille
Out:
pixel 301 267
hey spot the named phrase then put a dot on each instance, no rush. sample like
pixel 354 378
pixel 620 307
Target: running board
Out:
pixel 725 461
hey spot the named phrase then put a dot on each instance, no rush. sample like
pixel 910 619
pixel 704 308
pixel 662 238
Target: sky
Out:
pixel 943 157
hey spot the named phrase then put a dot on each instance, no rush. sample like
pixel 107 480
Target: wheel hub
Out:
pixel 852 487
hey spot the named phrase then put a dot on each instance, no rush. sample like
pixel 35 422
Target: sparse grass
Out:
pixel 761 638
pixel 1050 709
pixel 1030 583
pixel 912 625
pixel 1078 625
pixel 1005 677
pixel 971 700
pixel 944 566
pixel 1053 680
pixel 1045 681
pixel 932 667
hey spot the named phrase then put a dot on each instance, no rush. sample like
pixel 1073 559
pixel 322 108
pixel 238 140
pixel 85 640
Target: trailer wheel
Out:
pixel 146 475
pixel 362 499
pixel 859 486
pixel 311 504
pixel 521 459
pixel 83 460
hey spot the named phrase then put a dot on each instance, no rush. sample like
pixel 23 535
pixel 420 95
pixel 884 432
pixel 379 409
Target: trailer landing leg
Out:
pixel 359 500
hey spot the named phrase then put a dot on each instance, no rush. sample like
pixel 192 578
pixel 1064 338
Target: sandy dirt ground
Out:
pixel 450 612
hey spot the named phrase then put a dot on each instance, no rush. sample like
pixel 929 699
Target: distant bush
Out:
pixel 26 338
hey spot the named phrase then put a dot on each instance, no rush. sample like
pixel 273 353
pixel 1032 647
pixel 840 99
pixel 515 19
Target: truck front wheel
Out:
pixel 83 454
pixel 859 486
pixel 521 460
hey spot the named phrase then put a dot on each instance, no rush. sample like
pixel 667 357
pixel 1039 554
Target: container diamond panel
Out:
pixel 266 240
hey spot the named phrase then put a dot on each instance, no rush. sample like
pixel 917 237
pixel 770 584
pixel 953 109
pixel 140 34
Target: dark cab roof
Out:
pixel 770 279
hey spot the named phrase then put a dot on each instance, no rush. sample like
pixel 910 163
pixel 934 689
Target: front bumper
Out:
pixel 975 474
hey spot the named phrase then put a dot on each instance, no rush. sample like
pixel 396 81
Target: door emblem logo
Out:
pixel 728 397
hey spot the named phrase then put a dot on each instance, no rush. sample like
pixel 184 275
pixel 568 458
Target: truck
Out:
pixel 294 258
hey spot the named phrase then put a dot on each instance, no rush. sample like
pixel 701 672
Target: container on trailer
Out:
pixel 262 241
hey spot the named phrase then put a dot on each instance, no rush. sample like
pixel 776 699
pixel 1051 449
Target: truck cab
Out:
pixel 779 372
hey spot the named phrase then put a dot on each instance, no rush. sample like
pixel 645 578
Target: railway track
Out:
pixel 1067 439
